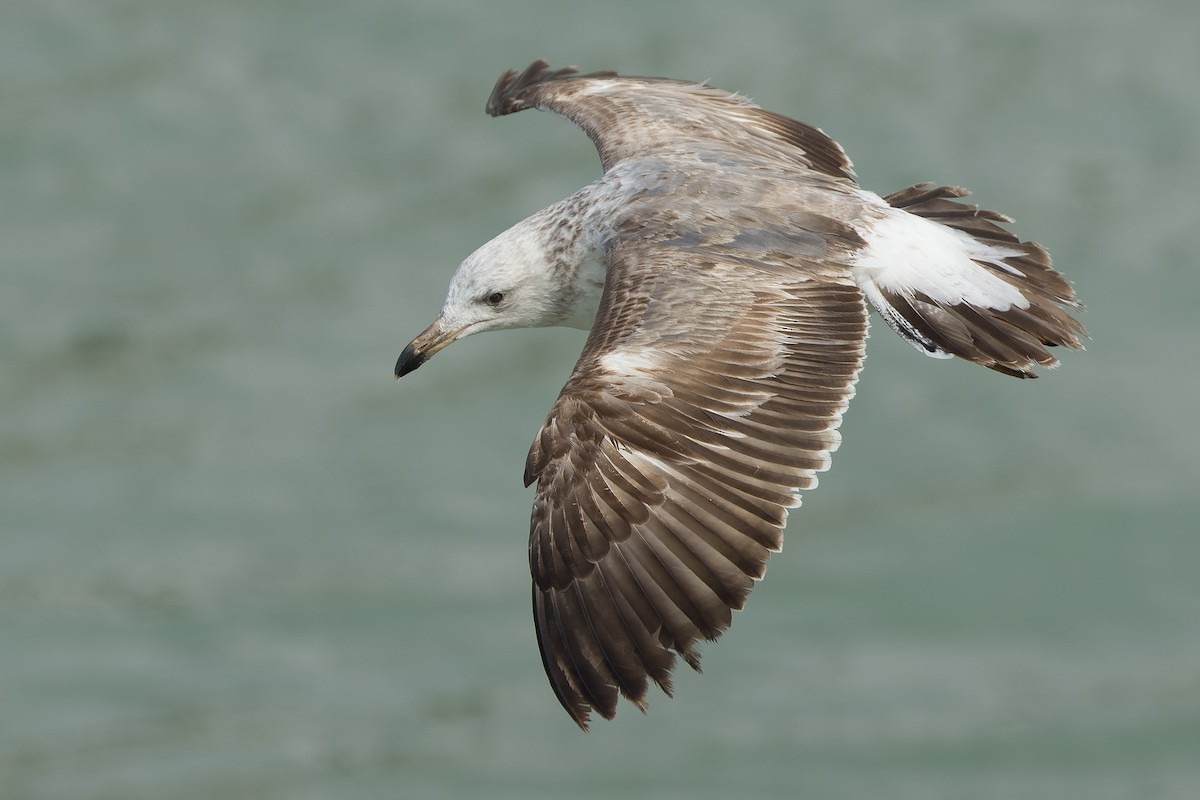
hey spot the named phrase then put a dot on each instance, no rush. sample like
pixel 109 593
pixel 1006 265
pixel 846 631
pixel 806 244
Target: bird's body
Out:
pixel 724 263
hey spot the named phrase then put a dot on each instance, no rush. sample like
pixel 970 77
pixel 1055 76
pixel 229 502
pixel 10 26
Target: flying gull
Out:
pixel 724 263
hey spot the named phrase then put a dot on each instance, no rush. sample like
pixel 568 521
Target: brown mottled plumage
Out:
pixel 724 263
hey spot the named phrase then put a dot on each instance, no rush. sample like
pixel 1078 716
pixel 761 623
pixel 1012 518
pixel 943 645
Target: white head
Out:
pixel 520 279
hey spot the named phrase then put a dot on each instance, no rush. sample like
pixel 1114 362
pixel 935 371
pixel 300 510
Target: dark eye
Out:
pixel 495 298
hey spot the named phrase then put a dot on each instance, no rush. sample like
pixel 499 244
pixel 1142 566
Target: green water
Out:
pixel 238 561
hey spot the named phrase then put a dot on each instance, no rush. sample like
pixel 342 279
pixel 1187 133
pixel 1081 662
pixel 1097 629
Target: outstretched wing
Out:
pixel 709 393
pixel 628 117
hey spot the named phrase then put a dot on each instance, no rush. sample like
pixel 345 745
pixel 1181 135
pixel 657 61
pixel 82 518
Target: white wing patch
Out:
pixel 631 363
pixel 907 254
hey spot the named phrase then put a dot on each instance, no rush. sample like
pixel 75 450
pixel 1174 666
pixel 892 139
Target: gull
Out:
pixel 724 263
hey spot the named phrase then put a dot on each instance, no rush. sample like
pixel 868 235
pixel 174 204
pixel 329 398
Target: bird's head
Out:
pixel 507 283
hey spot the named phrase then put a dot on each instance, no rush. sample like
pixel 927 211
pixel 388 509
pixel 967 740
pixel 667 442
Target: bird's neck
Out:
pixel 571 236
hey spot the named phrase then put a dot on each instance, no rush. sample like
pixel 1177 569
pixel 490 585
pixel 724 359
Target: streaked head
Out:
pixel 506 283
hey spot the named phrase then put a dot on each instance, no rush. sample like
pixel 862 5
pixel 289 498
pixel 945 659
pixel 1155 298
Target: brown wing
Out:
pixel 632 116
pixel 707 395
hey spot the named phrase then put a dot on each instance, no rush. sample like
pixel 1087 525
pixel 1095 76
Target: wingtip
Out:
pixel 508 96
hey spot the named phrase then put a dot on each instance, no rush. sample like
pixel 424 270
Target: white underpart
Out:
pixel 907 254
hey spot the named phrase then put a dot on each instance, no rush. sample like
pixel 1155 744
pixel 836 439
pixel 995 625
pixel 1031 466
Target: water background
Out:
pixel 238 561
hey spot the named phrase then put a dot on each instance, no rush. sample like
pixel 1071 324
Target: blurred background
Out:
pixel 237 560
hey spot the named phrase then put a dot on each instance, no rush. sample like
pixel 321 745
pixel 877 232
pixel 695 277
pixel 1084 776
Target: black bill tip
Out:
pixel 409 360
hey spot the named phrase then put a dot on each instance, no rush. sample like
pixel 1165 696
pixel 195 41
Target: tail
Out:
pixel 952 282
